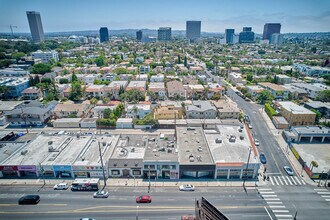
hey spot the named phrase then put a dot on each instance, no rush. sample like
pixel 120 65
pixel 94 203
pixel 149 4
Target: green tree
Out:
pixel 185 61
pixel 324 96
pixel 93 101
pixel 275 80
pixel 74 78
pixel 106 113
pixel 100 61
pixel 17 55
pixel 249 77
pixel 265 97
pixel 209 65
pixel 76 92
pixel 179 59
pixel 40 68
pixel 132 96
pixel 318 115
pixel 64 81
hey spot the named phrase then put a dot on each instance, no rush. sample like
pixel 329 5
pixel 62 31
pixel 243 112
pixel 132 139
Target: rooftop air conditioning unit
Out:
pixel 23 152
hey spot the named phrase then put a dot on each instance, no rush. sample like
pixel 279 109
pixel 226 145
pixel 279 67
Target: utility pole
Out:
pixel 42 173
pixel 137 212
pixel 247 165
pixel 103 171
pixel 320 179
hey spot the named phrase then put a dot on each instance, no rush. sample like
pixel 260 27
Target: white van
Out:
pixel 61 186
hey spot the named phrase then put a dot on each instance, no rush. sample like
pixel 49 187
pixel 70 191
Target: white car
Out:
pixel 256 142
pixel 288 170
pixel 250 126
pixel 101 194
pixel 187 187
pixel 61 186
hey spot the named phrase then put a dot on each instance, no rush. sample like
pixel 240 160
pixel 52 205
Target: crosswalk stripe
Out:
pixel 326 193
pixel 297 179
pixel 274 203
pixel 293 180
pixel 266 196
pixel 276 180
pixel 328 200
pixel 320 189
pixel 284 180
pixel 284 216
pixel 288 180
pixel 277 206
pixel 325 196
pixel 267 192
pixel 282 211
pixel 279 179
pixel 264 189
pixel 302 181
pixel 272 199
pixel 271 180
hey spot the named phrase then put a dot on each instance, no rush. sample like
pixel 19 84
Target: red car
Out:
pixel 143 199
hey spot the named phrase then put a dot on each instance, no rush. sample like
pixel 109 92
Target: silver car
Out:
pixel 101 194
pixel 187 187
pixel 288 170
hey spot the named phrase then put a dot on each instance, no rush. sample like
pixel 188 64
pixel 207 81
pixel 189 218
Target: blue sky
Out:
pixel 216 15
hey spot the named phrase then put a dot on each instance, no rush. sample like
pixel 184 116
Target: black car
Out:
pixel 29 199
pixel 263 158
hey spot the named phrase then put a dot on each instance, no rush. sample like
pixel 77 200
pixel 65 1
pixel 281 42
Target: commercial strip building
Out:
pixel 188 154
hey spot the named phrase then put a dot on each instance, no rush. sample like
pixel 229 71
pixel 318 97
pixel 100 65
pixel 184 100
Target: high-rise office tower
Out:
pixel 139 35
pixel 164 34
pixel 193 30
pixel 104 34
pixel 247 36
pixel 271 28
pixel 229 34
pixel 35 24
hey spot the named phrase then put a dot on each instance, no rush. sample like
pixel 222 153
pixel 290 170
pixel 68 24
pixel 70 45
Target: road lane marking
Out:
pixel 302 181
pixel 271 180
pixel 268 213
pixel 276 180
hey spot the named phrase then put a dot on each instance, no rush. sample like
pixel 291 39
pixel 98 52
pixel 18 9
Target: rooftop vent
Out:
pixel 200 149
pixel 191 158
pixel 23 152
pixel 133 149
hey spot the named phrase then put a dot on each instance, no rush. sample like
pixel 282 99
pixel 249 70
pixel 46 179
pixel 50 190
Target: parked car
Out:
pixel 256 142
pixel 288 170
pixel 250 125
pixel 263 158
pixel 143 199
pixel 29 199
pixel 87 219
pixel 61 186
pixel 101 194
pixel 187 187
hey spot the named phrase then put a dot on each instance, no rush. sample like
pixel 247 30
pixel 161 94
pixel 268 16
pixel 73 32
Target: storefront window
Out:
pixel 115 172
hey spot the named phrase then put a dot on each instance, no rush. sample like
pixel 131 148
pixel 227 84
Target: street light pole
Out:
pixel 247 166
pixel 103 171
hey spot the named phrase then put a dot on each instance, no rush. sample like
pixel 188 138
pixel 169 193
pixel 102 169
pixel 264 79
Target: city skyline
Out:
pixel 216 16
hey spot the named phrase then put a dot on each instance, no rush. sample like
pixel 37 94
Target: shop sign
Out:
pixel 27 168
pixel 87 168
pixel 8 168
pixel 62 168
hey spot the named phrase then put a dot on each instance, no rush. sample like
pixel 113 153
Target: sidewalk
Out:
pixel 284 147
pixel 131 183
